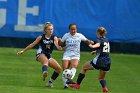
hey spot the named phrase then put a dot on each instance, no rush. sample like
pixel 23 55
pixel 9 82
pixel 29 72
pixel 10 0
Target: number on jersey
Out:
pixel 106 47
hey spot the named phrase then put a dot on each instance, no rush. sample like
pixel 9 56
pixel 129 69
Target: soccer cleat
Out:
pixel 105 89
pixel 77 86
pixel 45 73
pixel 50 84
pixel 69 81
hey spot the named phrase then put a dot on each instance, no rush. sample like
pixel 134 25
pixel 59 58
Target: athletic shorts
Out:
pixel 104 66
pixel 70 57
pixel 39 52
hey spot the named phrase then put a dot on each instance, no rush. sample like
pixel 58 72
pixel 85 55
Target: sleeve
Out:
pixel 83 38
pixel 98 41
pixel 43 35
pixel 64 37
pixel 101 42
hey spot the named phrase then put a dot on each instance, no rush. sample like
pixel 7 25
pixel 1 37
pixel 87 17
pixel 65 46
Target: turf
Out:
pixel 22 74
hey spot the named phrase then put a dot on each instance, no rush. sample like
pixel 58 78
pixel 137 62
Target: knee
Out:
pixel 101 78
pixel 83 71
pixel 59 70
pixel 75 66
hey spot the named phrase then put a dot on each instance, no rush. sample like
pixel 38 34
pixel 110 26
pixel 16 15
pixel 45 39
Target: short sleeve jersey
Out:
pixel 103 51
pixel 73 42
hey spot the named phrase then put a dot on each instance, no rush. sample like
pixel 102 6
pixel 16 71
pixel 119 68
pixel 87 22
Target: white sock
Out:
pixel 64 81
pixel 51 80
pixel 73 70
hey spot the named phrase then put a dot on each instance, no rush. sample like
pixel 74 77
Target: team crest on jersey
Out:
pixel 47 42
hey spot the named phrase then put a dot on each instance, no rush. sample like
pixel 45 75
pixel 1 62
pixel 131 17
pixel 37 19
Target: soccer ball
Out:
pixel 67 73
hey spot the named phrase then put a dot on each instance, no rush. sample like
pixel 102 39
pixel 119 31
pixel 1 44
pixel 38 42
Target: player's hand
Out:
pixel 60 41
pixel 91 42
pixel 65 47
pixel 90 45
pixel 93 52
pixel 20 52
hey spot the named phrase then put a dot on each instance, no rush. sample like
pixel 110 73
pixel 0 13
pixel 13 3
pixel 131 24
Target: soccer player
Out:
pixel 71 54
pixel 101 62
pixel 46 41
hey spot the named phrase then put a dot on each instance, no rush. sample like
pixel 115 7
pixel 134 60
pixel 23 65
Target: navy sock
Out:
pixel 80 78
pixel 44 68
pixel 54 75
pixel 103 83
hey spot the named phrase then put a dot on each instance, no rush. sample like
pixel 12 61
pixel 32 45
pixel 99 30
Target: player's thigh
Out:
pixel 54 64
pixel 74 63
pixel 87 66
pixel 43 59
pixel 65 64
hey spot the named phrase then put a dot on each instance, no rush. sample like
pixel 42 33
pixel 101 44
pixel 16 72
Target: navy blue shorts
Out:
pixel 48 56
pixel 39 52
pixel 105 67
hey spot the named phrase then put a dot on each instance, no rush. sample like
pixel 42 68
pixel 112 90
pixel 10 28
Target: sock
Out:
pixel 103 83
pixel 54 76
pixel 73 70
pixel 64 81
pixel 80 78
pixel 44 68
pixel 51 80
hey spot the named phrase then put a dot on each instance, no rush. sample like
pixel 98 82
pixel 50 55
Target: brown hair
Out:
pixel 102 31
pixel 47 24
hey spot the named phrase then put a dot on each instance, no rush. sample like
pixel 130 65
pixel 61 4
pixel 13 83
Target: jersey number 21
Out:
pixel 106 47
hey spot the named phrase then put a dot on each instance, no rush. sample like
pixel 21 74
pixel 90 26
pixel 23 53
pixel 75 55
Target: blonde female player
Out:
pixel 46 43
pixel 101 62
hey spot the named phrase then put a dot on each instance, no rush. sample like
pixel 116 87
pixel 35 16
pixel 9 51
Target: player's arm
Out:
pixel 89 41
pixel 95 45
pixel 86 40
pixel 60 43
pixel 56 42
pixel 30 45
pixel 93 52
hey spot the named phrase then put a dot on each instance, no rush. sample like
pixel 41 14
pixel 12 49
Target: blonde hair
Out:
pixel 47 24
pixel 102 31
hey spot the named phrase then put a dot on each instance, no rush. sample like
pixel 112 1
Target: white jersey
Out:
pixel 73 44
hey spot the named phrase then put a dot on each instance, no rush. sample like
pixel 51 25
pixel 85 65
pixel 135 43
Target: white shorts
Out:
pixel 70 58
pixel 66 57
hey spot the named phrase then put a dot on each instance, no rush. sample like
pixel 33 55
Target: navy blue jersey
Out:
pixel 47 45
pixel 102 59
pixel 104 48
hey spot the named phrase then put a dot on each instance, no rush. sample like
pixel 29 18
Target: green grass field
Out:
pixel 22 74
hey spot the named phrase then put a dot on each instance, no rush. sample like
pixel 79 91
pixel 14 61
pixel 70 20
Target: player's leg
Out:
pixel 53 64
pixel 44 60
pixel 65 65
pixel 86 66
pixel 74 65
pixel 102 80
